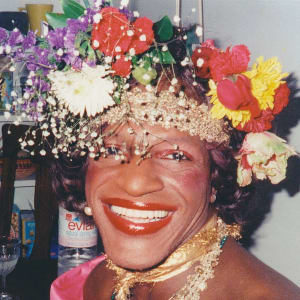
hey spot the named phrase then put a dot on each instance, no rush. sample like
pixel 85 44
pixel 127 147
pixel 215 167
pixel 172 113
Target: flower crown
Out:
pixel 79 77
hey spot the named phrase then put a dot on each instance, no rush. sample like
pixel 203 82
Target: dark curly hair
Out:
pixel 233 202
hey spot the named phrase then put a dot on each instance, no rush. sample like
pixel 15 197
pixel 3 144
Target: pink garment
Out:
pixel 69 286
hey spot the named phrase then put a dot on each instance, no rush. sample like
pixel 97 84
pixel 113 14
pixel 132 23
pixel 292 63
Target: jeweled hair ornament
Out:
pixel 79 78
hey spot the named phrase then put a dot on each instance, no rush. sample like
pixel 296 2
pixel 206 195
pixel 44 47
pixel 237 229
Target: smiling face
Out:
pixel 145 209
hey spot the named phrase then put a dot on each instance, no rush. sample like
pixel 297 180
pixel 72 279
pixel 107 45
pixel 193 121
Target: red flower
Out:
pixel 201 59
pixel 110 34
pixel 237 95
pixel 122 66
pixel 259 124
pixel 209 44
pixel 281 98
pixel 143 35
pixel 232 61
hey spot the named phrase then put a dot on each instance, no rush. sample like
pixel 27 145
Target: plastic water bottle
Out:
pixel 77 241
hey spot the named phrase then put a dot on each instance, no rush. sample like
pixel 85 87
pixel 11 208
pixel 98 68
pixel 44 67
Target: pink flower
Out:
pixel 231 62
pixel 238 95
pixel 263 155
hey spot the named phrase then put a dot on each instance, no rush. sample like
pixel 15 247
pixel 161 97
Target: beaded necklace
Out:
pixel 203 249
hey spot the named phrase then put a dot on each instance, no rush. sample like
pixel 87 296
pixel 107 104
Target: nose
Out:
pixel 139 179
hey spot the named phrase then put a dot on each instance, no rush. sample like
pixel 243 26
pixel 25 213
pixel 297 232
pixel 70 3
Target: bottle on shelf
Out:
pixel 77 241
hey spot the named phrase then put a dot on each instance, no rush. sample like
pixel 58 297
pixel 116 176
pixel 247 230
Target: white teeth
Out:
pixel 153 215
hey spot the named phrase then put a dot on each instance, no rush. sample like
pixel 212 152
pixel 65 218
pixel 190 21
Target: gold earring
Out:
pixel 88 211
pixel 213 195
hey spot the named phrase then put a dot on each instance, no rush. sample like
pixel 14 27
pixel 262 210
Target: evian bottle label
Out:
pixel 73 232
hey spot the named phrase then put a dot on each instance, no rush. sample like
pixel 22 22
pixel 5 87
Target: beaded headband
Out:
pixel 167 110
pixel 79 77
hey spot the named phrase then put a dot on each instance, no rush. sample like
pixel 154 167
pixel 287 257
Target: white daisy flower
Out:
pixel 89 90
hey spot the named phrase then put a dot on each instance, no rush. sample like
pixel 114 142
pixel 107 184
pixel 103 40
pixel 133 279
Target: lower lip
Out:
pixel 131 228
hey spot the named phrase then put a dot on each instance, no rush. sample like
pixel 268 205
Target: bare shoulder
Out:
pixel 99 284
pixel 252 279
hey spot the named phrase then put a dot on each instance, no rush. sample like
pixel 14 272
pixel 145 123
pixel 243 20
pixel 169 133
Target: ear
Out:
pixel 213 195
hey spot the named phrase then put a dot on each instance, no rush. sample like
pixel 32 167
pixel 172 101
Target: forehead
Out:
pixel 131 132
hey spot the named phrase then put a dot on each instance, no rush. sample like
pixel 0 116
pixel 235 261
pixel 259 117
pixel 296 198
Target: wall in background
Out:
pixel 271 28
pixel 13 5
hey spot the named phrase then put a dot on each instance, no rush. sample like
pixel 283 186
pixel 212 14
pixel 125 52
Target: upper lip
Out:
pixel 141 205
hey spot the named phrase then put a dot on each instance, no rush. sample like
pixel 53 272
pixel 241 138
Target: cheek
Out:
pixel 194 187
pixel 193 179
pixel 92 181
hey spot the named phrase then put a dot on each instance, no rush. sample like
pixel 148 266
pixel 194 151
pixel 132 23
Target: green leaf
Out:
pixel 72 9
pixel 91 53
pixel 147 62
pixel 192 39
pixel 83 48
pixel 56 20
pixel 165 57
pixel 144 76
pixel 80 37
pixel 99 54
pixel 134 60
pixel 163 29
pixel 52 60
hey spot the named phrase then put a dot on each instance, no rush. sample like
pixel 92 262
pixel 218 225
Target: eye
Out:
pixel 176 155
pixel 113 152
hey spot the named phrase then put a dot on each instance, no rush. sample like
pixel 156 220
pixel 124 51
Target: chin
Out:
pixel 136 262
pixel 137 255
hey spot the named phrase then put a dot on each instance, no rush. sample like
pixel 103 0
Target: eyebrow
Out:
pixel 153 138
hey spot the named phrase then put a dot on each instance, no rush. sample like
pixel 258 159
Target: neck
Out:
pixel 203 250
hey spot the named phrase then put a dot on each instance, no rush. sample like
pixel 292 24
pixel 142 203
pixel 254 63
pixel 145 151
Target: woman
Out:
pixel 161 148
pixel 151 202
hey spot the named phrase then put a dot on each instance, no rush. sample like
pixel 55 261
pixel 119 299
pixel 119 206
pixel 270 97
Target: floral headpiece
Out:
pixel 79 77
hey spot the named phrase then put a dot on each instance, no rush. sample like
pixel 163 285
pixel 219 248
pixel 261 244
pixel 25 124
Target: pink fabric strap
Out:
pixel 69 286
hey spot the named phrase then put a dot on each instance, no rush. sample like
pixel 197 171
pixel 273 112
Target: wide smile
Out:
pixel 137 218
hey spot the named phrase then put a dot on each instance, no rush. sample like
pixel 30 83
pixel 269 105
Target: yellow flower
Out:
pixel 265 78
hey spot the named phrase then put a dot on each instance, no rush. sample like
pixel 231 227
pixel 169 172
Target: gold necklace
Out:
pixel 203 248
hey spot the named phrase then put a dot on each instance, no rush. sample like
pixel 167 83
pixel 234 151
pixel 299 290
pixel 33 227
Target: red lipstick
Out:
pixel 133 228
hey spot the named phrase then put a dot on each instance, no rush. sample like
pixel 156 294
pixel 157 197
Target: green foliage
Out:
pixel 91 56
pixel 165 57
pixel 56 20
pixel 72 10
pixel 119 81
pixel 163 29
pixel 144 76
